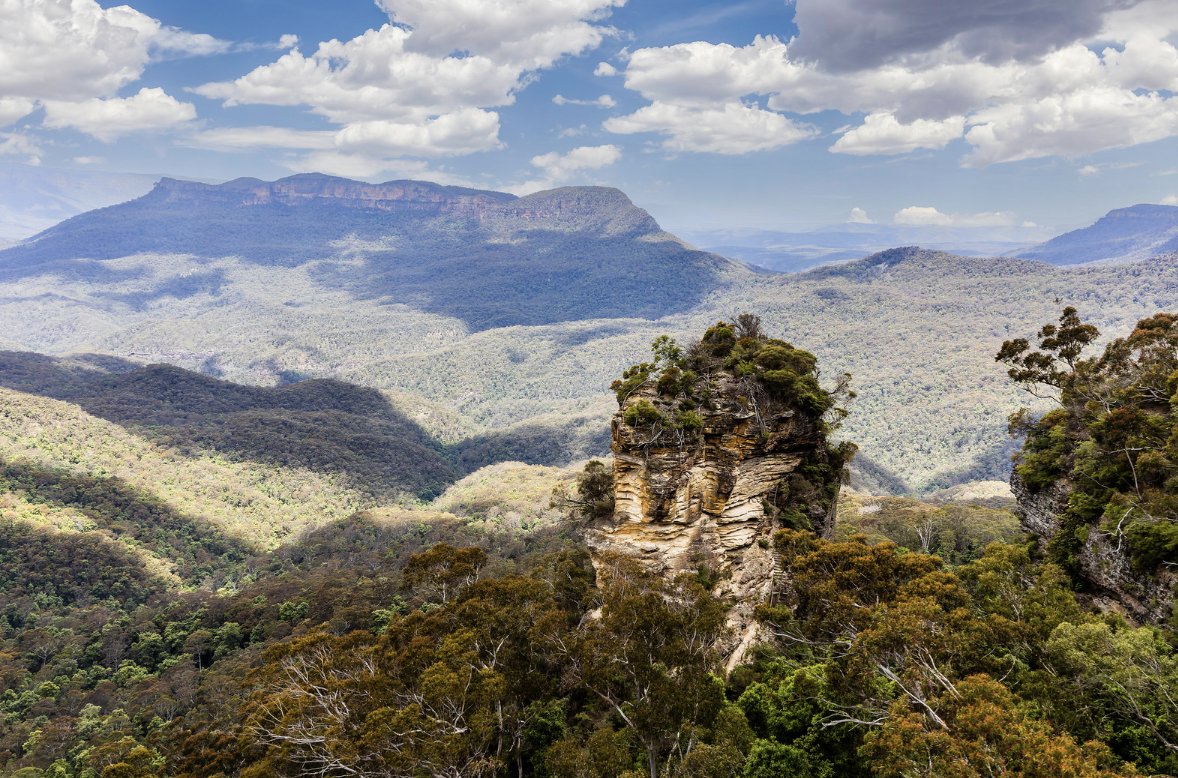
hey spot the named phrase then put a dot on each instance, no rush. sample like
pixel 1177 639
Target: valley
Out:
pixel 513 331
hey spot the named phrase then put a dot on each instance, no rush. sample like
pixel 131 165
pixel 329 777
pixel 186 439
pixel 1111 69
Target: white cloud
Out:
pixel 928 216
pixel 1093 169
pixel 859 216
pixel 1156 18
pixel 172 41
pixel 733 129
pixel 572 132
pixel 90 160
pixel 71 49
pixel 422 84
pixel 13 109
pixel 73 57
pixel 230 138
pixel 605 70
pixel 604 101
pixel 76 50
pixel 558 168
pixel 374 76
pixel 1070 125
pixel 1094 75
pixel 16 144
pixel 150 109
pixel 532 34
pixel 880 133
pixel 1170 199
pixel 288 41
pixel 922 215
pixel 464 131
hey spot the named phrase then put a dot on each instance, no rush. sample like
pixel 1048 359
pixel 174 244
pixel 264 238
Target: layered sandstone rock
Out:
pixel 706 494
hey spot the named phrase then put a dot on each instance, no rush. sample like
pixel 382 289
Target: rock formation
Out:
pixel 714 451
pixel 1102 559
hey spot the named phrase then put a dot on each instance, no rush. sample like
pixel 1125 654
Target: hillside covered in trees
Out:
pixel 171 605
pixel 480 314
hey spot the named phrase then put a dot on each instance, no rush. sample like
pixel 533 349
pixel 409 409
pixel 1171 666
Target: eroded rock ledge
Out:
pixel 714 449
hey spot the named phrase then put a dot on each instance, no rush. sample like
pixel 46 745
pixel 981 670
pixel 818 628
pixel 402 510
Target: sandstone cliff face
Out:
pixel 1103 558
pixel 710 497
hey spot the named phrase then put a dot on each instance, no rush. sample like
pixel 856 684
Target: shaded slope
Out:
pixel 323 425
pixel 487 258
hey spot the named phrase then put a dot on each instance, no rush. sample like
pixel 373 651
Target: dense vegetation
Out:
pixel 147 628
pixel 326 426
pixel 347 656
pixel 916 329
pixel 1111 440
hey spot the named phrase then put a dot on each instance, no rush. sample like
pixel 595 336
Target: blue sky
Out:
pixel 756 114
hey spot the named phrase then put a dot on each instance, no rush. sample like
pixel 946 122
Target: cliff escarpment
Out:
pixel 715 449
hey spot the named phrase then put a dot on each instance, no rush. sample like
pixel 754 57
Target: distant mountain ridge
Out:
pixel 1122 235
pixel 489 258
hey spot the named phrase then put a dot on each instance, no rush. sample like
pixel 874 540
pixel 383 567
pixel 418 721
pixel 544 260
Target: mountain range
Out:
pixel 495 323
pixel 1123 235
pixel 580 253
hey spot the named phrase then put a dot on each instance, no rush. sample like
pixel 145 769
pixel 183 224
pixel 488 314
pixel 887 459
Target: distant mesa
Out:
pixel 489 258
pixel 1124 235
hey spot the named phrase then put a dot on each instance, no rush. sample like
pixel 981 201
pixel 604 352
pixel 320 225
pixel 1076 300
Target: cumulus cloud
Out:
pixel 604 101
pixel 859 216
pixel 71 49
pixel 532 34
pixel 150 109
pixel 1070 125
pixel 928 216
pixel 462 132
pixel 373 77
pixel 605 69
pixel 422 84
pixel 13 109
pixel 735 128
pixel 73 57
pixel 16 144
pixel 1016 80
pixel 922 215
pixel 880 133
pixel 76 50
pixel 559 168
pixel 852 35
pixel 1170 199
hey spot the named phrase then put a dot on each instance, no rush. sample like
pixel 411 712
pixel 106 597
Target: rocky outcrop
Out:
pixel 705 492
pixel 1102 559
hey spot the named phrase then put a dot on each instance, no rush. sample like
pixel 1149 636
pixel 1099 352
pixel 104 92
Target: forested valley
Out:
pixel 148 628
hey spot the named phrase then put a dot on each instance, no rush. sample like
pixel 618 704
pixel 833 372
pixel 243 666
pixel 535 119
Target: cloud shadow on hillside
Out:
pixel 323 425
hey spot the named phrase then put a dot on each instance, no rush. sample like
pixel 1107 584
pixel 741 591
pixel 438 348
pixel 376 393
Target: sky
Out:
pixel 997 114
